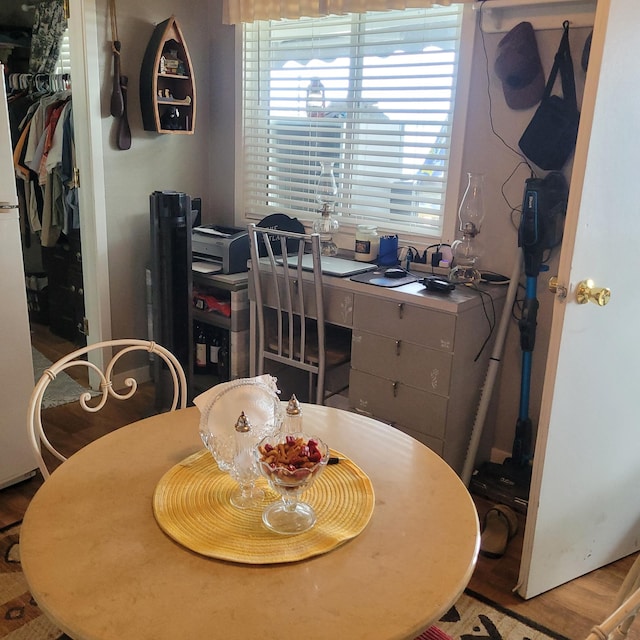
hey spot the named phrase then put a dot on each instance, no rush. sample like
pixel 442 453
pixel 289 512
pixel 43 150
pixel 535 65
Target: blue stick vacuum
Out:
pixel 543 209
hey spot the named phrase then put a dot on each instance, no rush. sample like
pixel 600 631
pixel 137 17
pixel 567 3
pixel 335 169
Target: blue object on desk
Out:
pixel 388 251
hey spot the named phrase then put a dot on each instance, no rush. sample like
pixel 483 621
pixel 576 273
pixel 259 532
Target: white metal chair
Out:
pixel 298 337
pixel 617 625
pixel 77 358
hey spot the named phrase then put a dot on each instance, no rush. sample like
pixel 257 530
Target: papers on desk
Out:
pixel 212 231
pixel 202 266
pixel 332 266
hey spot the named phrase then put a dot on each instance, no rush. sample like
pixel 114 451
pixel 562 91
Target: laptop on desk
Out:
pixel 331 266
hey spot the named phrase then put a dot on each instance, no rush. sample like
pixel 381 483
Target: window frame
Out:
pixel 408 235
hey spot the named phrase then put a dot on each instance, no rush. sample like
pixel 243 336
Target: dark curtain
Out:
pixel 48 28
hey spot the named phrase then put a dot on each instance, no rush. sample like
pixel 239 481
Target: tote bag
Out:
pixel 550 137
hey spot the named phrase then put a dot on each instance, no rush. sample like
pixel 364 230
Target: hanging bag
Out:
pixel 550 137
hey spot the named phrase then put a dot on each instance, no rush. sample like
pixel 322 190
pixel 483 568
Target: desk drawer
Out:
pixel 433 329
pixel 420 411
pixel 402 361
pixel 338 304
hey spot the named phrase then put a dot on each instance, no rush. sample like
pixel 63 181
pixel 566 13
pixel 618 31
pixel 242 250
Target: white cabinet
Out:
pixel 414 365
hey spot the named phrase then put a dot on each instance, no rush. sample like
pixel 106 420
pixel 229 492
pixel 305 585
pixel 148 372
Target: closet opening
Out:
pixel 34 45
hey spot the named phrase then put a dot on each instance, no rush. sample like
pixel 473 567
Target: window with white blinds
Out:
pixel 371 97
pixel 63 64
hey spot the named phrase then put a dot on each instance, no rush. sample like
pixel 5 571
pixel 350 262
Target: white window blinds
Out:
pixel 372 95
pixel 63 65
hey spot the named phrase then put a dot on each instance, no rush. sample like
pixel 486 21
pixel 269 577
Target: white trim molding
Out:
pixel 500 16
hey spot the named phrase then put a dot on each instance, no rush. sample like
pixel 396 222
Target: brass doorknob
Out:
pixel 556 288
pixel 586 291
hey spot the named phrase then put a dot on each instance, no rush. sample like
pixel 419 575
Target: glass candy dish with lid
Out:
pixel 220 407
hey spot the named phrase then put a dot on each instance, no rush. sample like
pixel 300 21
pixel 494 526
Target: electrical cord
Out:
pixel 514 209
pixel 492 277
pixel 495 133
pixel 518 305
pixel 491 319
pixel 413 253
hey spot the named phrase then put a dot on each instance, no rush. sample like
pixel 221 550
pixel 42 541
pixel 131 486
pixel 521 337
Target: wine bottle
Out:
pixel 200 360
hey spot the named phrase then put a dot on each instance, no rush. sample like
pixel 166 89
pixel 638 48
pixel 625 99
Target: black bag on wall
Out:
pixel 550 137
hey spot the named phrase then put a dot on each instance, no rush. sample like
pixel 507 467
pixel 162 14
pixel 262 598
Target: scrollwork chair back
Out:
pixel 90 402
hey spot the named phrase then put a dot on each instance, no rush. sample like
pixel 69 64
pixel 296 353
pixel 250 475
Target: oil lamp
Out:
pixel 326 194
pixel 467 250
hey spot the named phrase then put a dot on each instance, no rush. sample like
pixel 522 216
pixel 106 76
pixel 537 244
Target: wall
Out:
pixel 155 161
pixel 504 173
pixel 225 104
pixel 204 165
pixel 499 235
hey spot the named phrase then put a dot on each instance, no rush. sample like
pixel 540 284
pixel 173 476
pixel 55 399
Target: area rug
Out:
pixel 63 390
pixel 20 618
pixel 475 617
pixel 471 617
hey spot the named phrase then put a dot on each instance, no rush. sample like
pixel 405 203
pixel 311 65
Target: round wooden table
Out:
pixel 100 567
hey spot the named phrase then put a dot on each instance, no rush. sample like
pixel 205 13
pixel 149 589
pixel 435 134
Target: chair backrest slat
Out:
pixel 295 296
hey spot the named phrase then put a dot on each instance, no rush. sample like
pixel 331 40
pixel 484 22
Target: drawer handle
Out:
pixel 398 343
pixel 395 389
pixel 400 310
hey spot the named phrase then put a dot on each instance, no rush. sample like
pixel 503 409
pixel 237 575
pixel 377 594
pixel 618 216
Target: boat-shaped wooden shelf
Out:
pixel 167 83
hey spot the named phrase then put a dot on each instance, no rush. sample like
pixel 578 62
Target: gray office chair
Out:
pixel 77 358
pixel 291 318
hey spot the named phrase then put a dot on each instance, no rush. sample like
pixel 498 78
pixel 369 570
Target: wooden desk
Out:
pixel 417 357
pixel 99 566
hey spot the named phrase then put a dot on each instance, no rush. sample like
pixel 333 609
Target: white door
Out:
pixel 584 508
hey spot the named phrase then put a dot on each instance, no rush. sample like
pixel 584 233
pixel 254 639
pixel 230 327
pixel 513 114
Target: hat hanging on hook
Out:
pixel 519 68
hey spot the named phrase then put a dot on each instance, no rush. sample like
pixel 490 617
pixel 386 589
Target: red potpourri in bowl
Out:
pixel 290 463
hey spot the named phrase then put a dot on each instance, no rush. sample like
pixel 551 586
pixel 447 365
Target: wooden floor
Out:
pixel 570 609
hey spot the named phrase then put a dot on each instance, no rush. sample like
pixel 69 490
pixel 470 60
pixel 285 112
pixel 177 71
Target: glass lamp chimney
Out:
pixel 466 251
pixel 315 99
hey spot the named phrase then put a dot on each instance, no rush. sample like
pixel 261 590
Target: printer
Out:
pixel 226 246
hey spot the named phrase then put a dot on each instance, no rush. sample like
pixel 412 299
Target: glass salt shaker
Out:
pixel 293 419
pixel 243 469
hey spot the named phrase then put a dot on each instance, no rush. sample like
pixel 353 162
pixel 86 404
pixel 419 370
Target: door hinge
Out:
pixel 67 12
pixel 76 177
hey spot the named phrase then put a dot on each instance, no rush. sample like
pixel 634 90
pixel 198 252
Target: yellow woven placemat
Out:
pixel 191 505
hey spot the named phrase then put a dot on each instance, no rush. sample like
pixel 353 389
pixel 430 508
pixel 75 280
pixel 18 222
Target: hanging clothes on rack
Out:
pixel 43 160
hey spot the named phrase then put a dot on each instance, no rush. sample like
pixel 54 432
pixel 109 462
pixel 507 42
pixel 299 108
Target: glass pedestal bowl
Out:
pixel 290 463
